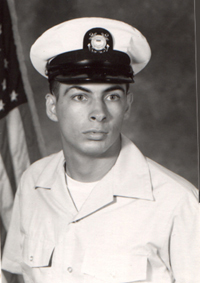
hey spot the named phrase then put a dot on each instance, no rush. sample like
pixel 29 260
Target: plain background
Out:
pixel 163 117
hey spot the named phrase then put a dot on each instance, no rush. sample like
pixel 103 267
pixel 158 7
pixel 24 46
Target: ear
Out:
pixel 51 107
pixel 128 108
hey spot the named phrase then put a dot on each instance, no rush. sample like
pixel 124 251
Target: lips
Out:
pixel 95 134
pixel 95 131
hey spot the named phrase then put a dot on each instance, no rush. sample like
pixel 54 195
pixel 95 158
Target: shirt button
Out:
pixel 69 269
pixel 31 258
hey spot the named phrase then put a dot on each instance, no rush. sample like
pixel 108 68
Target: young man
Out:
pixel 99 211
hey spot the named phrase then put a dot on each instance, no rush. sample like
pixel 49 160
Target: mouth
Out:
pixel 96 135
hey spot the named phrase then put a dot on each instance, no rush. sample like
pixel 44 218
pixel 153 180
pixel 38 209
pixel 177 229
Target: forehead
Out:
pixel 93 87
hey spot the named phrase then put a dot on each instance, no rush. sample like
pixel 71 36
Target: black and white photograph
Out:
pixel 99 146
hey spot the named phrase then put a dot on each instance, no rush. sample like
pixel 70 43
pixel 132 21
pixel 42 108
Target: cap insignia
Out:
pixel 98 40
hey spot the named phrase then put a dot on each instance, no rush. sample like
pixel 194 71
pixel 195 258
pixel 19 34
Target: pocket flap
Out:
pixel 37 253
pixel 119 268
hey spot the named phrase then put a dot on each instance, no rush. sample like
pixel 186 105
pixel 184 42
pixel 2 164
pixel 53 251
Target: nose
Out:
pixel 98 112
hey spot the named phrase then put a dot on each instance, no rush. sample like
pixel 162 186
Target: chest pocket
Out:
pixel 116 268
pixel 37 253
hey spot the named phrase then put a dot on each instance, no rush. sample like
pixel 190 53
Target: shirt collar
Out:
pixel 129 177
pixel 52 172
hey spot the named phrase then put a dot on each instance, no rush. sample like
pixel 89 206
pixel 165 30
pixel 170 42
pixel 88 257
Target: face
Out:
pixel 90 116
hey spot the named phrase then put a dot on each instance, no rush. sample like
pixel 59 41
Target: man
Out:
pixel 99 211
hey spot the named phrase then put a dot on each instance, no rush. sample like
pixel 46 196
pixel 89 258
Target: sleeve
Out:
pixel 185 241
pixel 12 251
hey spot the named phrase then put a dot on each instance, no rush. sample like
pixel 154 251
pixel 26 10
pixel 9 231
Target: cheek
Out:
pixel 117 114
pixel 116 124
pixel 119 123
pixel 117 108
pixel 70 119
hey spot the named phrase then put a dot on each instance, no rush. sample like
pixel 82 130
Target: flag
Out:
pixel 21 142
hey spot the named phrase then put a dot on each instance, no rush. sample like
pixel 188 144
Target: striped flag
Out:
pixel 21 142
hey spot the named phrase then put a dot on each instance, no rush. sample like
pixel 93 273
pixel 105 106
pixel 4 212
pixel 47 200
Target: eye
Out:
pixel 79 97
pixel 113 97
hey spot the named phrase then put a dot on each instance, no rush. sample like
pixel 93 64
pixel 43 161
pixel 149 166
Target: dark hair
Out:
pixel 54 88
pixel 127 87
pixel 55 85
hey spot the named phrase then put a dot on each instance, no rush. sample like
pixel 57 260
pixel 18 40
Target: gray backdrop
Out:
pixel 163 118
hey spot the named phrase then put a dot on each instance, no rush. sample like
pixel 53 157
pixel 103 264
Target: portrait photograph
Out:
pixel 99 145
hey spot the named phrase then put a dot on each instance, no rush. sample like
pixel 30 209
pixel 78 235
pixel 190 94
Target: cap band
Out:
pixel 83 65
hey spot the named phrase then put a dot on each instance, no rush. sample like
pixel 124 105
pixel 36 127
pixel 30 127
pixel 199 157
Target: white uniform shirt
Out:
pixel 139 224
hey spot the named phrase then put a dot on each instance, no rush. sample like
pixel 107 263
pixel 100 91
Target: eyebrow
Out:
pixel 117 87
pixel 77 87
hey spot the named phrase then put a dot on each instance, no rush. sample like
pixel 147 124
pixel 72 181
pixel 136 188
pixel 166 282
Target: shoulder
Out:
pixel 46 164
pixel 169 185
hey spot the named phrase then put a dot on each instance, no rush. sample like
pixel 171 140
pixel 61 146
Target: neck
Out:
pixel 89 168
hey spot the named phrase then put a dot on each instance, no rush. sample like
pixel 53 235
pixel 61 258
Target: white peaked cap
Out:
pixel 69 36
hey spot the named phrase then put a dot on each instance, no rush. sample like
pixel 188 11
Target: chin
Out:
pixel 95 148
